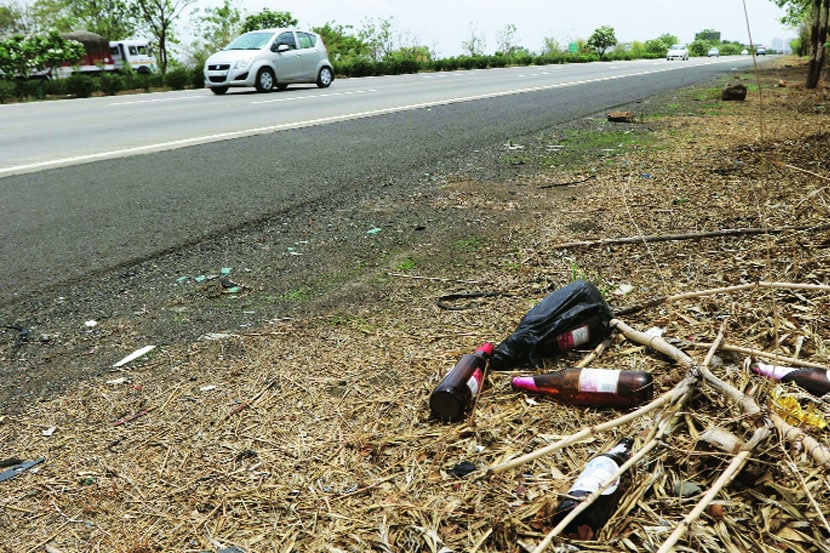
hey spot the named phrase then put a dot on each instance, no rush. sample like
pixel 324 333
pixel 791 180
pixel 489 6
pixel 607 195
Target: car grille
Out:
pixel 219 67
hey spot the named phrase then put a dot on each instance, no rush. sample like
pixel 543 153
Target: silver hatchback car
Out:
pixel 269 59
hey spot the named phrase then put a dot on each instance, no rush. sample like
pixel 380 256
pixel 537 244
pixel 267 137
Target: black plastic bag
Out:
pixel 574 316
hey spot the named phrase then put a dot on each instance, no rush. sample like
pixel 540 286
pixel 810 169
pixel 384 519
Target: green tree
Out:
pixel 708 35
pixel 602 39
pixel 813 13
pixel 506 40
pixel 215 27
pixel 24 55
pixel 475 43
pixel 266 19
pixel 160 16
pixel 378 36
pixel 11 19
pixel 112 19
pixel 699 48
pixel 341 43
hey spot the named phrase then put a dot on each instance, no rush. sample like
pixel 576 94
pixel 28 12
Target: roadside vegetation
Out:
pixel 312 432
pixel 33 45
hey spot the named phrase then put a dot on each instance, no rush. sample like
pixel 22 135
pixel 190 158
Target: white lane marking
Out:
pixel 156 100
pixel 172 144
pixel 310 96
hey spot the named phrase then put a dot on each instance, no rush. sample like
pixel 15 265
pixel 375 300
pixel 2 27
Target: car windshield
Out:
pixel 678 47
pixel 250 41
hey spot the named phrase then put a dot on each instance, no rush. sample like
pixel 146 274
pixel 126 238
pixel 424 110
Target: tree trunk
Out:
pixel 818 36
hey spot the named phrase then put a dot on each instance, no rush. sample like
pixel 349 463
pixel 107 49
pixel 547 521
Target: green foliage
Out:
pixel 267 19
pixel 11 21
pixel 22 56
pixel 80 85
pixel 602 39
pixel 7 90
pixel 111 83
pixel 113 19
pixel 177 78
pixel 341 44
pixel 699 48
pixel 710 36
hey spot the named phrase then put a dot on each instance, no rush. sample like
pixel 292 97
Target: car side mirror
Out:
pixel 282 48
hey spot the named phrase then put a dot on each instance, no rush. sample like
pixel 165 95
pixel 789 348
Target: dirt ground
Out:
pixel 313 433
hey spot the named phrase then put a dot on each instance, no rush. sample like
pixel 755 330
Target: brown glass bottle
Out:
pixel 815 381
pixel 591 387
pixel 596 474
pixel 456 392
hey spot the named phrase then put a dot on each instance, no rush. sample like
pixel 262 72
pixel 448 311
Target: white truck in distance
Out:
pixel 133 53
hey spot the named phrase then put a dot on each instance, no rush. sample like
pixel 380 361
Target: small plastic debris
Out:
pixel 226 270
pixel 686 489
pixel 213 336
pixel 208 388
pixel 200 278
pixel 182 279
pixel 373 230
pixel 129 418
pixel 48 431
pixel 462 469
pixel 134 355
pixel 231 549
pixel 91 323
pixel 117 381
pixel 623 289
pixel 18 468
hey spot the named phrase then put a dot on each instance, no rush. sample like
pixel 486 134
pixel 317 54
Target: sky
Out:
pixel 443 25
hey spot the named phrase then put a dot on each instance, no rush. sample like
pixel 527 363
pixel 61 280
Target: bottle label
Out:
pixel 772 371
pixel 599 380
pixel 574 338
pixel 474 382
pixel 597 472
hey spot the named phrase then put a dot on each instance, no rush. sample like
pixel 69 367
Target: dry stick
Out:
pixel 791 361
pixel 724 290
pixel 687 236
pixel 819 453
pixel 660 430
pixel 725 478
pixel 666 399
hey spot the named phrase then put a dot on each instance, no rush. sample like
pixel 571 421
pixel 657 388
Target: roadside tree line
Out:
pixel 374 48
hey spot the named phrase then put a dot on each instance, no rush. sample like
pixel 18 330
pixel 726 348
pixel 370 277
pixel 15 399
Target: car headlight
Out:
pixel 243 64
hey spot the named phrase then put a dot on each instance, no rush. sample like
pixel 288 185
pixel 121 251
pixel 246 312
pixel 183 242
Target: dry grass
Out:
pixel 314 435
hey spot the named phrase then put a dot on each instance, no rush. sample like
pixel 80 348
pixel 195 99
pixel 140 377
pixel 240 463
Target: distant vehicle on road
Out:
pixel 760 50
pixel 136 54
pixel 713 53
pixel 678 52
pixel 269 59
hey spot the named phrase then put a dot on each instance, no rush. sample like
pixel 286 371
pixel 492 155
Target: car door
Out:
pixel 288 63
pixel 310 55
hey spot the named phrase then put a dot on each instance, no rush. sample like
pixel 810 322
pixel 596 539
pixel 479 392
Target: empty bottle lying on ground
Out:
pixel 461 385
pixel 815 381
pixel 571 317
pixel 591 387
pixel 598 472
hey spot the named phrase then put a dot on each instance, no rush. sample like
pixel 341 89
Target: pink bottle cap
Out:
pixel 486 348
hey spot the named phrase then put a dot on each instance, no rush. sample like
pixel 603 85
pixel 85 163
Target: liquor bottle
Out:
pixel 815 381
pixel 573 316
pixel 591 387
pixel 596 473
pixel 461 385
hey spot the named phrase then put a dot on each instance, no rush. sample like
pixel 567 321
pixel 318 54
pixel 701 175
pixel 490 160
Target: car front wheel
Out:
pixel 325 77
pixel 264 80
